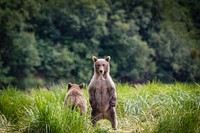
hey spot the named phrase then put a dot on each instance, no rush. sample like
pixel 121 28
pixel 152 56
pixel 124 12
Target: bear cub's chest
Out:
pixel 102 86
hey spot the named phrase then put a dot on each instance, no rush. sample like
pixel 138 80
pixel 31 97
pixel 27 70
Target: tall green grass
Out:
pixel 39 111
pixel 157 107
pixel 154 107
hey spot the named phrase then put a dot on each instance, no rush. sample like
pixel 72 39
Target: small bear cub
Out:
pixel 74 98
pixel 102 93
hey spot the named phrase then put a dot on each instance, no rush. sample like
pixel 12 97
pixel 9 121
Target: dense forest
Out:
pixel 52 41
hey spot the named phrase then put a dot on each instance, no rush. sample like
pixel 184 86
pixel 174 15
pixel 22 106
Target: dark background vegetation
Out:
pixel 51 41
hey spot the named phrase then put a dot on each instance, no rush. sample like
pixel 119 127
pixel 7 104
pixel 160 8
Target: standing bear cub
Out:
pixel 102 93
pixel 74 98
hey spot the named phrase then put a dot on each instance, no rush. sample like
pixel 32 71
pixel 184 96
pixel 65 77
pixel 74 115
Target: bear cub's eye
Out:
pixel 103 64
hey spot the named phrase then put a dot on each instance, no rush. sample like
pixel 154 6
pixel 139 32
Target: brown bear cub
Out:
pixel 74 98
pixel 102 93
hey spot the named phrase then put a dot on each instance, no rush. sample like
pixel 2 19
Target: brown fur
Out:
pixel 102 93
pixel 75 98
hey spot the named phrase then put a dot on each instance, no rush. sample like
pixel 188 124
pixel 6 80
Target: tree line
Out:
pixel 52 41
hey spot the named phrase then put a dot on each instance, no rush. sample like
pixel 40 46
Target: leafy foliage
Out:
pixel 53 41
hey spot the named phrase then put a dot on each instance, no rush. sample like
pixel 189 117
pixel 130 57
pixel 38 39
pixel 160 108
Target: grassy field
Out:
pixel 154 107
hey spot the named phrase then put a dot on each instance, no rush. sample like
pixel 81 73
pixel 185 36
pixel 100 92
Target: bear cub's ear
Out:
pixel 94 58
pixel 107 58
pixel 69 85
pixel 82 85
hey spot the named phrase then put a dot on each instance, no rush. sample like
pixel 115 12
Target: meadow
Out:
pixel 150 108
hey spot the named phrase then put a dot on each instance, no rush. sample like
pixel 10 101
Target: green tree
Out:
pixel 52 41
pixel 24 56
pixel 57 62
